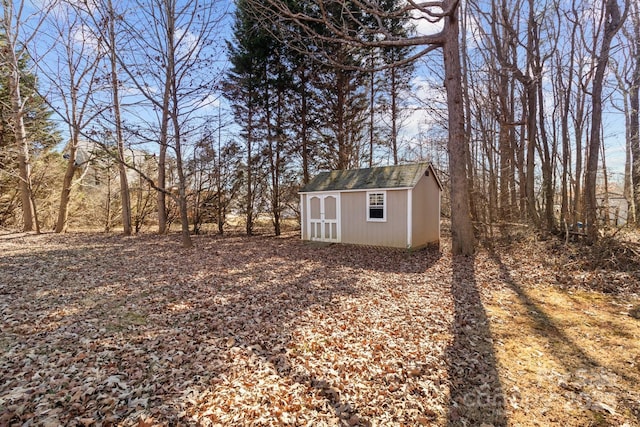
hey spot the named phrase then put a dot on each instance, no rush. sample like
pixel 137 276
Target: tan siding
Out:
pixel 426 212
pixel 356 229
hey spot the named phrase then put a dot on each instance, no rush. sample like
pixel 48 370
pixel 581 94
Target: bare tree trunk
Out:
pixel 220 211
pixel 341 99
pixel 162 156
pixel 547 167
pixel 564 125
pixel 613 22
pixel 22 143
pixel 531 143
pixel 304 127
pixel 372 105
pixel 274 145
pixel 249 221
pixel 466 111
pixel 61 224
pixel 174 115
pixel 162 183
pixel 463 239
pixel 182 182
pixel 634 117
pixel 122 169
pixel 394 114
pixel 107 222
pixel 164 128
pixel 634 142
pixel 10 56
pixel 577 192
pixel 629 193
pixel 605 206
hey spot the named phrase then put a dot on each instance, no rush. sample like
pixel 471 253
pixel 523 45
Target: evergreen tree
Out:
pixel 344 103
pixel 40 129
pixel 248 53
pixel 342 94
pixel 396 79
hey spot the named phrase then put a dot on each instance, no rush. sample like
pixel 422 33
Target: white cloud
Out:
pixel 211 101
pixel 424 25
pixel 188 43
pixel 84 36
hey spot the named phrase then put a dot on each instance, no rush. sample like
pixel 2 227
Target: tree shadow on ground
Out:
pixel 116 329
pixel 113 328
pixel 476 395
pixel 562 347
pixel 109 328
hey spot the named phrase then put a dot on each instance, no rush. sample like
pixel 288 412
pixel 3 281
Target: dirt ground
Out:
pixel 101 329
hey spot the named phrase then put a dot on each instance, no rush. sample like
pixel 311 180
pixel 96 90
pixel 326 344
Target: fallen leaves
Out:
pixel 103 330
pixel 98 329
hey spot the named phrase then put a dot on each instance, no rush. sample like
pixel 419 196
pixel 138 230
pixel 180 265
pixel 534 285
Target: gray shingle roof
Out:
pixel 401 176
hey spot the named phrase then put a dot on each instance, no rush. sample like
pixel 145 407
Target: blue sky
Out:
pixel 417 122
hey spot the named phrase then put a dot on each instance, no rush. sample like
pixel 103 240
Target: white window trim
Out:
pixel 384 207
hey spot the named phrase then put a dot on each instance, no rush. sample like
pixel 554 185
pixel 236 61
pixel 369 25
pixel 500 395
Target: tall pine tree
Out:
pixel 397 78
pixel 248 53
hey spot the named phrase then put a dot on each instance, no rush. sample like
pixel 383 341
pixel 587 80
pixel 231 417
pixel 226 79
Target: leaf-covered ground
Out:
pixel 105 330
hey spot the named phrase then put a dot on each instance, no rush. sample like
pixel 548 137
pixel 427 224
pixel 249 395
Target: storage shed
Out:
pixel 395 206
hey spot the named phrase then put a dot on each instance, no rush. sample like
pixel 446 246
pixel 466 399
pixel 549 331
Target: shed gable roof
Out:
pixel 401 176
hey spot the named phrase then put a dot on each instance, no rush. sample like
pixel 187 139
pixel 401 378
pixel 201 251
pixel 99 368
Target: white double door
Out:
pixel 324 214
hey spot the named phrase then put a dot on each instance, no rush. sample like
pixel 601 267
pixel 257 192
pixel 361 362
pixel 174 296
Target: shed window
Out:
pixel 377 206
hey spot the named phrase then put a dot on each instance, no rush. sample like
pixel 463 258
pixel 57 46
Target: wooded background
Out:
pixel 142 114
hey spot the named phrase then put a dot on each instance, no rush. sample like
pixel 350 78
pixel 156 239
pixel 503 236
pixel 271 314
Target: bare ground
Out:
pixel 105 330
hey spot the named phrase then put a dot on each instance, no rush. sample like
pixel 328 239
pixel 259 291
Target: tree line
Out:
pixel 233 108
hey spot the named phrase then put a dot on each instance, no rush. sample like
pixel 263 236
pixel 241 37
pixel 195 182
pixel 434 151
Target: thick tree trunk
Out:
pixel 24 168
pixel 22 146
pixel 463 239
pixel 504 141
pixel 612 25
pixel 61 224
